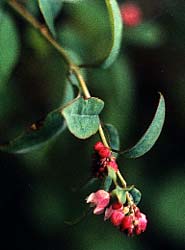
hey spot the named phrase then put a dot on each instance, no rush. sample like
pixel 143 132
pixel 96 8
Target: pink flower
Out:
pixel 115 213
pixel 127 223
pixel 141 223
pixel 134 223
pixel 99 200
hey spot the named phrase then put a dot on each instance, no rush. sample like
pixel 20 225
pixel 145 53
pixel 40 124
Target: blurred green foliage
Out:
pixel 36 188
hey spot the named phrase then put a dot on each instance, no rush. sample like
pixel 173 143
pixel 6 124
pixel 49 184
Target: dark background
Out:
pixel 36 188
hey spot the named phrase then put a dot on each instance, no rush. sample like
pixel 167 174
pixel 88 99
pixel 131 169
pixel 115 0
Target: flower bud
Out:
pixel 104 152
pixel 99 145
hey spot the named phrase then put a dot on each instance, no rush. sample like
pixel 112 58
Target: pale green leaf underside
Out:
pixel 82 116
pixel 151 135
pixel 37 134
pixel 120 193
pixel 113 136
pixel 116 32
pixel 136 195
pixel 49 10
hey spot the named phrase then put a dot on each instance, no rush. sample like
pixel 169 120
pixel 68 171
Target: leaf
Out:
pixel 112 173
pixel 9 45
pixel 120 193
pixel 49 10
pixel 151 135
pixel 116 30
pixel 37 134
pixel 113 137
pixel 107 183
pixel 136 195
pixel 82 116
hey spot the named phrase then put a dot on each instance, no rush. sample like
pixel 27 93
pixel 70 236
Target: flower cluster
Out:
pixel 127 218
pixel 117 201
pixel 102 158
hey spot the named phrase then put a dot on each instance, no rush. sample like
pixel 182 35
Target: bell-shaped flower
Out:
pixel 99 200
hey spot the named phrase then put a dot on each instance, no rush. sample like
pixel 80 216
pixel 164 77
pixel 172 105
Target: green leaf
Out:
pixel 112 173
pixel 116 31
pixel 146 35
pixel 120 193
pixel 49 10
pixel 151 135
pixel 9 45
pixel 107 183
pixel 136 195
pixel 82 116
pixel 37 134
pixel 113 136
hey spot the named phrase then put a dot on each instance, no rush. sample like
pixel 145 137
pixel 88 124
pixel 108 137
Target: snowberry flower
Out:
pixel 115 214
pixel 127 224
pixel 131 14
pixel 141 223
pixel 99 200
pixel 134 223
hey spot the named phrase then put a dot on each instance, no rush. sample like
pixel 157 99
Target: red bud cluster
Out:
pixel 128 219
pixel 102 158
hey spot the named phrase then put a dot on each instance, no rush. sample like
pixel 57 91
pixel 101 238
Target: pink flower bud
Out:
pixel 117 217
pixel 104 152
pixel 141 224
pixel 115 213
pixel 131 14
pixel 127 223
pixel 99 145
pixel 99 200
pixel 117 205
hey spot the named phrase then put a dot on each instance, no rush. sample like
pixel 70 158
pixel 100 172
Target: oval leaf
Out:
pixel 136 195
pixel 82 116
pixel 151 135
pixel 37 134
pixel 120 193
pixel 9 45
pixel 116 30
pixel 49 10
pixel 107 182
pixel 112 173
pixel 113 137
